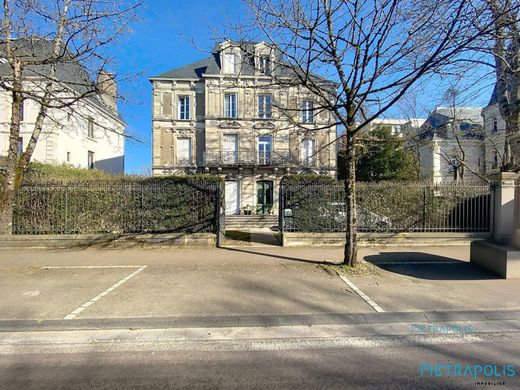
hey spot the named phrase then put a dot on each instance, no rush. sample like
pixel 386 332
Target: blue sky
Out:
pixel 161 41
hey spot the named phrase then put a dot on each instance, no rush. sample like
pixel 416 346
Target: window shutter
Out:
pixel 167 104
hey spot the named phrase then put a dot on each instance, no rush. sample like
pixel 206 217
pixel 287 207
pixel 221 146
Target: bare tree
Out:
pixel 51 52
pixel 374 51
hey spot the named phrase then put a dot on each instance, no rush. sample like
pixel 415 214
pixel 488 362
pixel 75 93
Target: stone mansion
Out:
pixel 224 115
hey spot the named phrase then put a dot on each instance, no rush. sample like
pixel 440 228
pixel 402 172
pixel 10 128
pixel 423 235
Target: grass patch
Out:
pixel 361 269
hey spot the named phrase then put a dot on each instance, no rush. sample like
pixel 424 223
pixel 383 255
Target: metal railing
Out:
pixel 247 158
pixel 387 207
pixel 252 158
pixel 117 207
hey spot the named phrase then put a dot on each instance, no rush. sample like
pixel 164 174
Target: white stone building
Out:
pixel 222 116
pixel 90 135
pixel 451 145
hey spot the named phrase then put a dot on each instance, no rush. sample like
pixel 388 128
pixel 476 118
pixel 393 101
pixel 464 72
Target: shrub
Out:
pixel 160 204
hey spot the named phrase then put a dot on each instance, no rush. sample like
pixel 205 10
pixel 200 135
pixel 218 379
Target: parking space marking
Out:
pixel 90 266
pixel 101 295
pixel 418 262
pixel 363 296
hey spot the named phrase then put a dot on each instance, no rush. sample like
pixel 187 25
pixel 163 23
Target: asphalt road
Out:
pixel 381 362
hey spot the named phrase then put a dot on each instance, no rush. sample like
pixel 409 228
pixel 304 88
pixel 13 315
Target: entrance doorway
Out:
pixel 232 197
pixel 264 196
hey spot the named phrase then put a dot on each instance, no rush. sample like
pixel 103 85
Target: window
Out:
pixel 230 105
pixel 307 111
pixel 230 148
pixel 19 146
pixel 184 107
pixel 230 63
pixel 90 160
pixel 265 145
pixel 264 64
pixel 265 106
pixel 22 111
pixel 495 126
pixel 184 151
pixel 90 129
pixel 308 152
pixel 68 157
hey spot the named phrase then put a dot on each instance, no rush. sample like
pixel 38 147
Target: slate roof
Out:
pixel 211 66
pixel 69 70
pixel 439 122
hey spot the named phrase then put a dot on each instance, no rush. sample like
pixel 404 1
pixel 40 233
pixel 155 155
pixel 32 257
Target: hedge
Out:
pixel 184 204
pixel 317 204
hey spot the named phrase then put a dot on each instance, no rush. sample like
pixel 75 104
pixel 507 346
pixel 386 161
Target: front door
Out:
pixel 264 196
pixel 232 198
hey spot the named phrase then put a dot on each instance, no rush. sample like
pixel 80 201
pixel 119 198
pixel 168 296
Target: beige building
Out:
pixel 226 115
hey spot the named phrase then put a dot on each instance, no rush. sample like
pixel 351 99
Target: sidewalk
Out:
pixel 262 286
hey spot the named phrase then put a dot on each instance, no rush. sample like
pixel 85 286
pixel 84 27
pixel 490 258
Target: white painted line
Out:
pixel 90 266
pixel 100 295
pixel 363 296
pixel 418 262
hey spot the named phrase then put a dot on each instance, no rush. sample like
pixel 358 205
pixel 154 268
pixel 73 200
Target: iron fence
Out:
pixel 136 207
pixel 386 207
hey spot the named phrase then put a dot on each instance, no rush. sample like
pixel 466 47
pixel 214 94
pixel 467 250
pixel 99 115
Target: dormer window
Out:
pixel 230 63
pixel 264 64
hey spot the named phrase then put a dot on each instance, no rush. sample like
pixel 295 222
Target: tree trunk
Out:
pixel 350 255
pixel 8 182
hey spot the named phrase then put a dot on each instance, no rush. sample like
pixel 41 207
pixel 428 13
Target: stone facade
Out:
pixel 441 139
pixel 495 129
pixel 236 122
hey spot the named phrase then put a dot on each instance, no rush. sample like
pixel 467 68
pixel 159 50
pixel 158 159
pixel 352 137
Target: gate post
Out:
pixel 220 217
pixel 281 207
pixel 504 207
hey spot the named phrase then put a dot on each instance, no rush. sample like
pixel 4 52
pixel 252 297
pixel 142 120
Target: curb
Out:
pixel 256 320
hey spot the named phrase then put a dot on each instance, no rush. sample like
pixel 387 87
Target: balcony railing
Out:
pixel 246 159
pixel 252 158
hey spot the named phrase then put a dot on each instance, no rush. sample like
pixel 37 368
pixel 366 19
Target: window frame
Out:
pixel 311 158
pixel 19 146
pixel 184 102
pixel 22 111
pixel 227 64
pixel 91 160
pixel 229 105
pixel 90 128
pixel 178 159
pixel 264 64
pixel 308 111
pixel 265 111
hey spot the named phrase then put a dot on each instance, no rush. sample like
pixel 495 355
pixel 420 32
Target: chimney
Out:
pixel 108 89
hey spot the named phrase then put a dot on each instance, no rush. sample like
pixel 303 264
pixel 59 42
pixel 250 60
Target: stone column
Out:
pixel 504 210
